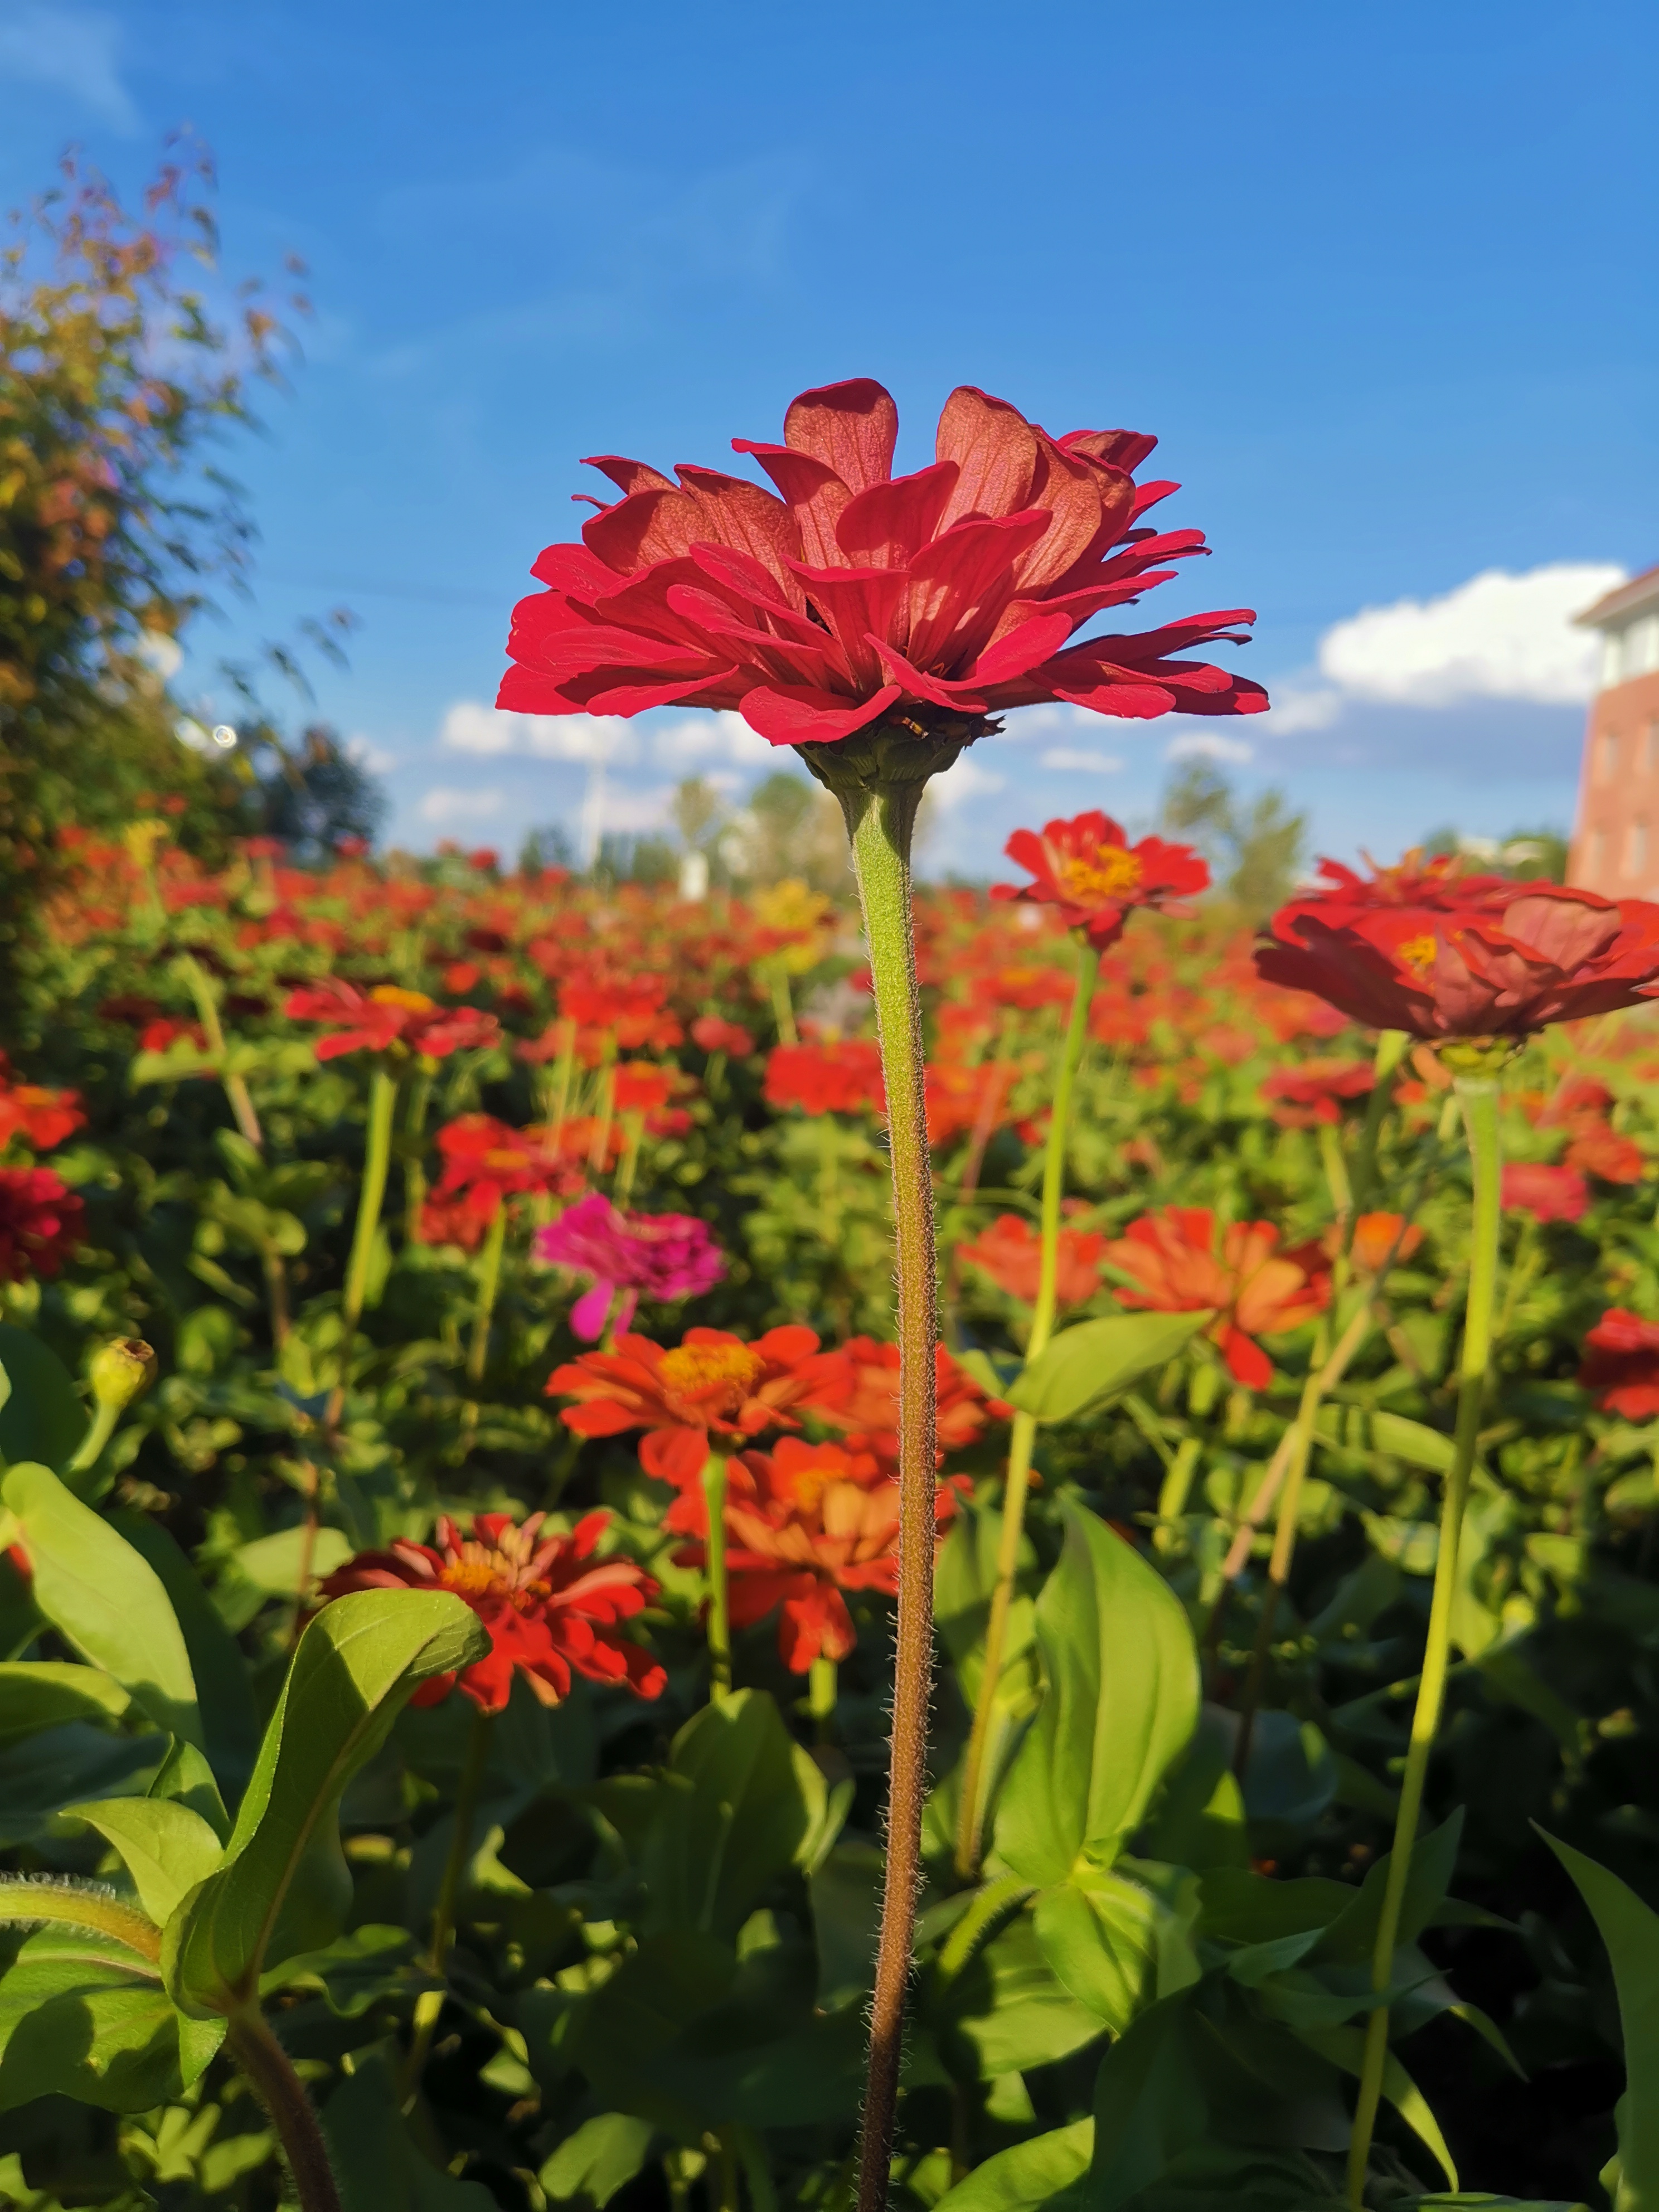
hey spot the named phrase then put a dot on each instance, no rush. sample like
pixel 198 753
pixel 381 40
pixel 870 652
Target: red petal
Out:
pixel 995 448
pixel 743 516
pixel 627 475
pixel 797 714
pixel 960 584
pixel 815 493
pixel 882 526
pixel 852 428
pixel 645 527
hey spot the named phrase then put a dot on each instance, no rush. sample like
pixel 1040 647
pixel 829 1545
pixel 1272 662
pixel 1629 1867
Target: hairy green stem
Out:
pixel 1478 1096
pixel 430 2002
pixel 280 2091
pixel 821 1696
pixel 490 1282
pixel 720 1596
pixel 971 1816
pixel 377 1159
pixel 68 1905
pixel 881 816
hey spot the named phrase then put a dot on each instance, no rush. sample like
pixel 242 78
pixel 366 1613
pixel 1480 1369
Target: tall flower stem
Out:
pixel 1477 1093
pixel 377 1159
pixel 430 2002
pixel 879 777
pixel 280 2090
pixel 720 1596
pixel 971 1816
pixel 490 1282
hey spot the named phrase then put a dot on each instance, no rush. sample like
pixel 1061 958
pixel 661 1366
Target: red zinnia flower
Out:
pixel 1317 1091
pixel 1256 1289
pixel 41 1223
pixel 712 1385
pixel 826 1078
pixel 1547 1194
pixel 859 1395
pixel 1088 869
pixel 549 1606
pixel 1602 1153
pixel 818 613
pixel 1010 1253
pixel 713 1033
pixel 1439 956
pixel 1622 1365
pixel 43 1118
pixel 388 1019
pixel 1377 1235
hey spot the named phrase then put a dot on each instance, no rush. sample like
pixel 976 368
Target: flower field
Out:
pixel 449 1320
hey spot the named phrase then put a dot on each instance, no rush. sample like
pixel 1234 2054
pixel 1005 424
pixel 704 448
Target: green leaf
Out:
pixel 1350 1938
pixel 589 2166
pixel 57 1767
pixel 1094 1359
pixel 1010 2008
pixel 273 1564
pixel 1148 2107
pixel 1029 2176
pixel 1199 1821
pixel 104 1599
pixel 37 1693
pixel 1351 1428
pixel 354 1971
pixel 44 1419
pixel 376 2162
pixel 1101 1935
pixel 741 1801
pixel 224 1687
pixel 80 2017
pixel 1347 2046
pixel 166 1848
pixel 356 1666
pixel 1120 1705
pixel 1630 1930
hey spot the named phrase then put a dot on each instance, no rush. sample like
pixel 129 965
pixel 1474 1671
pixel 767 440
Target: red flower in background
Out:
pixel 1622 1365
pixel 388 1019
pixel 854 594
pixel 859 1395
pixel 1378 1237
pixel 485 1161
pixel 42 1118
pixel 1440 956
pixel 712 1385
pixel 1317 1091
pixel 1548 1193
pixel 827 1078
pixel 1256 1289
pixel 1010 1252
pixel 632 1009
pixel 960 1099
pixel 1088 870
pixel 1602 1153
pixel 549 1604
pixel 713 1033
pixel 41 1223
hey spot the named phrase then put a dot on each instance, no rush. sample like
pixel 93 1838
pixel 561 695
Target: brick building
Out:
pixel 1615 845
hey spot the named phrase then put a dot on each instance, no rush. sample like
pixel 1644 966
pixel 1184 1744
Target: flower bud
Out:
pixel 121 1370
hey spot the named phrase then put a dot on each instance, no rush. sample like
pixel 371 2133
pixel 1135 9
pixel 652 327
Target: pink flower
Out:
pixel 1547 1194
pixel 665 1255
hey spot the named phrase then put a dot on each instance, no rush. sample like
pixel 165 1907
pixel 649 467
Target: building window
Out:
pixel 1607 757
pixel 1636 848
pixel 1613 659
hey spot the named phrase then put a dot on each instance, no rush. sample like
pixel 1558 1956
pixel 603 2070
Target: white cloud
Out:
pixel 470 727
pixel 630 811
pixel 74 49
pixel 443 805
pixel 1085 763
pixel 1298 705
pixel 687 744
pixel 1207 744
pixel 966 780
pixel 369 756
pixel 1498 636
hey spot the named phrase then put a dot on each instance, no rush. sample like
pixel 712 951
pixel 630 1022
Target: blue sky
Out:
pixel 1381 281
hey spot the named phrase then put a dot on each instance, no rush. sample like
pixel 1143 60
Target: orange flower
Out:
pixel 712 1385
pixel 1010 1253
pixel 1602 1153
pixel 1317 1091
pixel 43 1118
pixel 1256 1289
pixel 859 1396
pixel 1375 1236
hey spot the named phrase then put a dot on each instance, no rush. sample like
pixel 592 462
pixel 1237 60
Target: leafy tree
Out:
pixel 1256 852
pixel 313 795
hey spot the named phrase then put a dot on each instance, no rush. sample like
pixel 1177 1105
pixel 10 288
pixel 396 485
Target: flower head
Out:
pixel 1088 870
pixel 1548 1193
pixel 388 1019
pixel 41 1223
pixel 1601 1152
pixel 1317 1091
pixel 713 1033
pixel 1423 948
pixel 827 1078
pixel 1010 1253
pixel 664 1255
pixel 859 1395
pixel 1378 1237
pixel 854 595
pixel 550 1606
pixel 1181 1261
pixel 1622 1365
pixel 42 1118
pixel 711 1386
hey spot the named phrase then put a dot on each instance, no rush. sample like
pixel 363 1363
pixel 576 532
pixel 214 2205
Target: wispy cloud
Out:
pixel 444 806
pixel 74 50
pixel 1074 759
pixel 1209 744
pixel 1498 636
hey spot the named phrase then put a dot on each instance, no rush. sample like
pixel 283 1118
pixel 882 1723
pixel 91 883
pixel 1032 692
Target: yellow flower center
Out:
pixel 412 1002
pixel 1418 953
pixel 471 1577
pixel 695 1369
pixel 1112 871
pixel 808 1484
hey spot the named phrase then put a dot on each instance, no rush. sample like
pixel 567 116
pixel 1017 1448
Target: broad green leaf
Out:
pixel 846 1892
pixel 354 1971
pixel 356 1666
pixel 739 1804
pixel 274 1564
pixel 377 2164
pixel 37 1693
pixel 1350 1938
pixel 1119 1708
pixel 81 2017
pixel 1011 2010
pixel 166 1848
pixel 44 1419
pixel 1630 1930
pixel 1347 2046
pixel 224 1687
pixel 1238 1906
pixel 1029 2176
pixel 589 2166
pixel 185 1778
pixel 1199 1821
pixel 57 1767
pixel 1148 2107
pixel 1100 1934
pixel 1351 1428
pixel 1093 1359
pixel 104 1599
